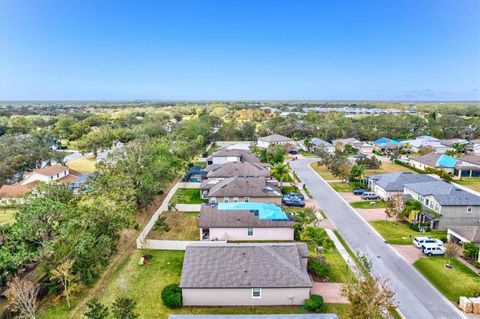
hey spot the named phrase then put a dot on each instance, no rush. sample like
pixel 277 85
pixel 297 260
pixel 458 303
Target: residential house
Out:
pixel 274 139
pixel 226 155
pixel 464 234
pixel 475 146
pixel 446 205
pixel 13 194
pixel 253 274
pixel 425 141
pixel 250 316
pixel 221 171
pixel 387 185
pixel 244 221
pixel 467 166
pixel 385 143
pixel 241 189
pixel 318 143
pixel 47 174
pixel 363 147
pixel 77 183
pixel 451 143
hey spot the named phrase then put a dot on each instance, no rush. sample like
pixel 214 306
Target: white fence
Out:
pixel 142 241
pixel 174 244
pixel 188 207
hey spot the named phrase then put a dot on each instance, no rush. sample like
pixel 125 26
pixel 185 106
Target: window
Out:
pixel 58 175
pixel 469 209
pixel 226 199
pixel 256 292
pixel 250 231
pixel 235 199
pixel 427 202
pixel 246 199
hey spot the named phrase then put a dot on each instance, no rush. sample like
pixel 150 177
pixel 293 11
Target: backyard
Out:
pixel 83 165
pixel 187 196
pixel 183 226
pixel 135 281
pixel 401 234
pixel 472 183
pixel 453 283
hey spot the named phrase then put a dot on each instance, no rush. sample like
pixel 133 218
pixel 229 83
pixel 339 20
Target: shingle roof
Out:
pixel 453 141
pixel 211 216
pixel 51 170
pixel 250 316
pixel 429 159
pixel 319 142
pixel 245 266
pixel 237 169
pixel 275 138
pixel 474 159
pixel 471 233
pixel 245 155
pixel 15 191
pixel 394 182
pixel 445 194
pixel 243 186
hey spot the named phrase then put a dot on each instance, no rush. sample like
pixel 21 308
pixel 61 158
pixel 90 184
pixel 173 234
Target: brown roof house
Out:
pixel 254 274
pixel 227 155
pixel 233 169
pixel 467 166
pixel 241 189
pixel 245 222
pixel 12 194
pixel 47 174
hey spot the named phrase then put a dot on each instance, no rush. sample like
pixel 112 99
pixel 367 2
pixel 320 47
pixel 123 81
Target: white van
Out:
pixel 433 250
pixel 419 241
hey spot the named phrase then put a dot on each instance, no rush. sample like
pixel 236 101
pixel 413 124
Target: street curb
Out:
pixel 394 250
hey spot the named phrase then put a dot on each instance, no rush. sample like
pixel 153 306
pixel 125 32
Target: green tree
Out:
pixel 356 171
pixel 124 308
pixel 280 171
pixel 96 310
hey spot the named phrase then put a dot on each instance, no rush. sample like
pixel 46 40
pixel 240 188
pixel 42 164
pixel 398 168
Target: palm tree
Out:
pixel 280 170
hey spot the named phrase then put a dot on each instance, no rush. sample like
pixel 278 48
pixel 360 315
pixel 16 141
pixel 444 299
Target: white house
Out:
pixel 47 174
pixel 386 185
pixel 245 221
pixel 253 274
pixel 274 139
pixel 226 155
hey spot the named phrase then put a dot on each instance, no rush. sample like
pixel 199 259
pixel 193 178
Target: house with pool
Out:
pixel 245 222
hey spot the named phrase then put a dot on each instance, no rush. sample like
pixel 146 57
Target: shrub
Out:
pixel 161 225
pixel 172 296
pixel 416 227
pixel 319 267
pixel 313 234
pixel 314 303
pixel 470 251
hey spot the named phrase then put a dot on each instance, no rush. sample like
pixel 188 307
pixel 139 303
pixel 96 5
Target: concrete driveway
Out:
pixel 409 252
pixel 330 291
pixel 410 286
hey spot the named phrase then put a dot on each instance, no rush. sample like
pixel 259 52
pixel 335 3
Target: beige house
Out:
pixel 241 189
pixel 47 174
pixel 245 274
pixel 245 222
pixel 274 139
pixel 14 194
pixel 363 147
pixel 226 155
pixel 221 171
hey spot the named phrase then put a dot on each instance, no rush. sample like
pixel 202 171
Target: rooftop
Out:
pixel 259 265
pixel 237 169
pixel 240 187
pixel 472 233
pixel 238 215
pixel 445 194
pixel 51 170
pixel 245 155
pixel 396 181
pixel 275 138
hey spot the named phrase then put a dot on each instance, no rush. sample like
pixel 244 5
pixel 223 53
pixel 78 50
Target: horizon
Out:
pixel 212 50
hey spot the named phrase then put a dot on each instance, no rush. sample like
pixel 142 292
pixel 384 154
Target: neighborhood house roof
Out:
pixel 445 194
pixel 244 155
pixel 237 169
pixel 454 141
pixel 472 233
pixel 245 266
pixel 212 216
pixel 241 186
pixel 15 191
pixel 474 159
pixel 51 170
pixel 275 138
pixel 429 159
pixel 319 142
pixel 385 141
pixel 394 182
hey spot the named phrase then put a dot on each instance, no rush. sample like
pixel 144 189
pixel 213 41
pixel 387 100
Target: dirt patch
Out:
pixel 350 198
pixel 330 292
pixel 373 214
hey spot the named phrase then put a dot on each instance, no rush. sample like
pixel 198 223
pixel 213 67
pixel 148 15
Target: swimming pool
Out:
pixel 265 210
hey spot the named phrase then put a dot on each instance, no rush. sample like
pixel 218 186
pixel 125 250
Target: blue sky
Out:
pixel 249 49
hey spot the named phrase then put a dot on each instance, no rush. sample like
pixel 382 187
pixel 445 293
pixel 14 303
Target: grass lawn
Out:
pixel 387 167
pixel 365 204
pixel 453 283
pixel 307 154
pixel 7 215
pixel 201 164
pixel 472 183
pixel 183 226
pixel 187 196
pixel 345 187
pixel 401 234
pixel 339 272
pixel 144 283
pixel 289 189
pixel 323 172
pixel 83 165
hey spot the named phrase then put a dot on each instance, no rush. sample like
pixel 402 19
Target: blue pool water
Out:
pixel 265 210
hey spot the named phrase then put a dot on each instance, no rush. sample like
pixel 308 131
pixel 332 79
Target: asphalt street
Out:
pixel 416 298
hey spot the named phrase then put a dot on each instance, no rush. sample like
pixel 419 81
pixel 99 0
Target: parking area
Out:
pixel 409 252
pixel 349 197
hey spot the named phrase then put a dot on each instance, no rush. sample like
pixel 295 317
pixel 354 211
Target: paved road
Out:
pixel 416 298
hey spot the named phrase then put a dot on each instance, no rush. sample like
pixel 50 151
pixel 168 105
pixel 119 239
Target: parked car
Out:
pixel 419 241
pixel 370 196
pixel 433 249
pixel 297 195
pixel 359 191
pixel 293 201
